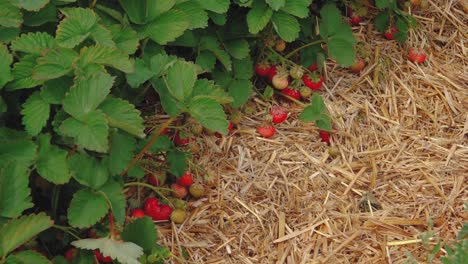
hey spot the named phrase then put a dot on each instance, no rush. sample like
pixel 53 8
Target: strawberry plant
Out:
pixel 393 21
pixel 75 78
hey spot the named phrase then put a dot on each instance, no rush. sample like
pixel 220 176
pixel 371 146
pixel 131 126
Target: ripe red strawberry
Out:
pixel 278 114
pixel 230 127
pixel 151 206
pixel 138 213
pixel 325 136
pixel 157 179
pixel 179 191
pixel 164 213
pixel 186 180
pixel 390 33
pixel 101 258
pixel 272 72
pixel 291 93
pixel 266 131
pixel 262 69
pixel 355 20
pixel 312 81
pixel 313 67
pixel 180 139
pixel 417 55
pixel 70 254
pixel 357 66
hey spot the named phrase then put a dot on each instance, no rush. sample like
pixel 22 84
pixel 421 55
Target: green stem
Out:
pixel 302 47
pixel 93 4
pixel 54 201
pixel 66 229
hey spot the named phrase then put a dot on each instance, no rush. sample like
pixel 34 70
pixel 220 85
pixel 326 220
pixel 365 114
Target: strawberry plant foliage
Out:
pixel 73 76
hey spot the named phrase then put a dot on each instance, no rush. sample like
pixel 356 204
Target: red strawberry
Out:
pixel 262 69
pixel 417 55
pixel 266 131
pixel 70 254
pixel 355 20
pixel 164 213
pixel 138 213
pixel 312 81
pixel 390 32
pixel 151 206
pixel 358 66
pixel 165 131
pixel 186 180
pixel 272 73
pixel 278 114
pixel 153 180
pixel 325 136
pixel 230 127
pixel 179 191
pixel 291 93
pixel 101 258
pixel 313 67
pixel 181 139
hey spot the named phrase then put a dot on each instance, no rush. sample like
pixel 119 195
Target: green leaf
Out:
pixel 35 114
pixel 324 122
pixel 27 257
pixel 123 252
pixel 3 106
pixel 238 48
pixel 76 27
pixel 125 38
pixel 382 4
pixel 314 111
pixel 114 193
pixel 102 36
pixel 107 56
pixel 45 15
pixel 163 143
pixel 218 19
pixel 90 133
pixel 167 27
pixel 86 208
pixel 88 171
pixel 168 102
pixel 52 161
pixel 132 233
pixel 276 4
pixel 382 21
pixel 198 17
pixel 136 10
pixel 22 74
pixel 243 69
pixel 121 151
pixel 159 63
pixel 209 113
pixel 33 43
pixel 286 26
pixel 15 195
pixel 299 8
pixel 217 6
pixel 341 50
pixel 121 114
pixel 141 74
pixel 10 15
pixel 177 162
pixel 30 5
pixel 181 78
pixel 208 89
pixel 269 92
pixel 54 64
pixel 18 231
pixel 155 8
pixel 258 17
pixel 8 34
pixel 5 61
pixel 206 60
pixel 331 20
pixel 16 146
pixel 240 91
pixel 53 91
pixel 87 94
pixel 212 44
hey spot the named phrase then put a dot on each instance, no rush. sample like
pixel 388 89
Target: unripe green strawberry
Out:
pixel 197 190
pixel 306 92
pixel 209 179
pixel 296 72
pixel 178 203
pixel 195 127
pixel 178 216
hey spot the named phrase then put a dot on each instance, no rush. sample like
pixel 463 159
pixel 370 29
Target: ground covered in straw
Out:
pixel 393 182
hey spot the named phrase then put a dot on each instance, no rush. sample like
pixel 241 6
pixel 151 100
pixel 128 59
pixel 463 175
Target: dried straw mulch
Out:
pixel 397 168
